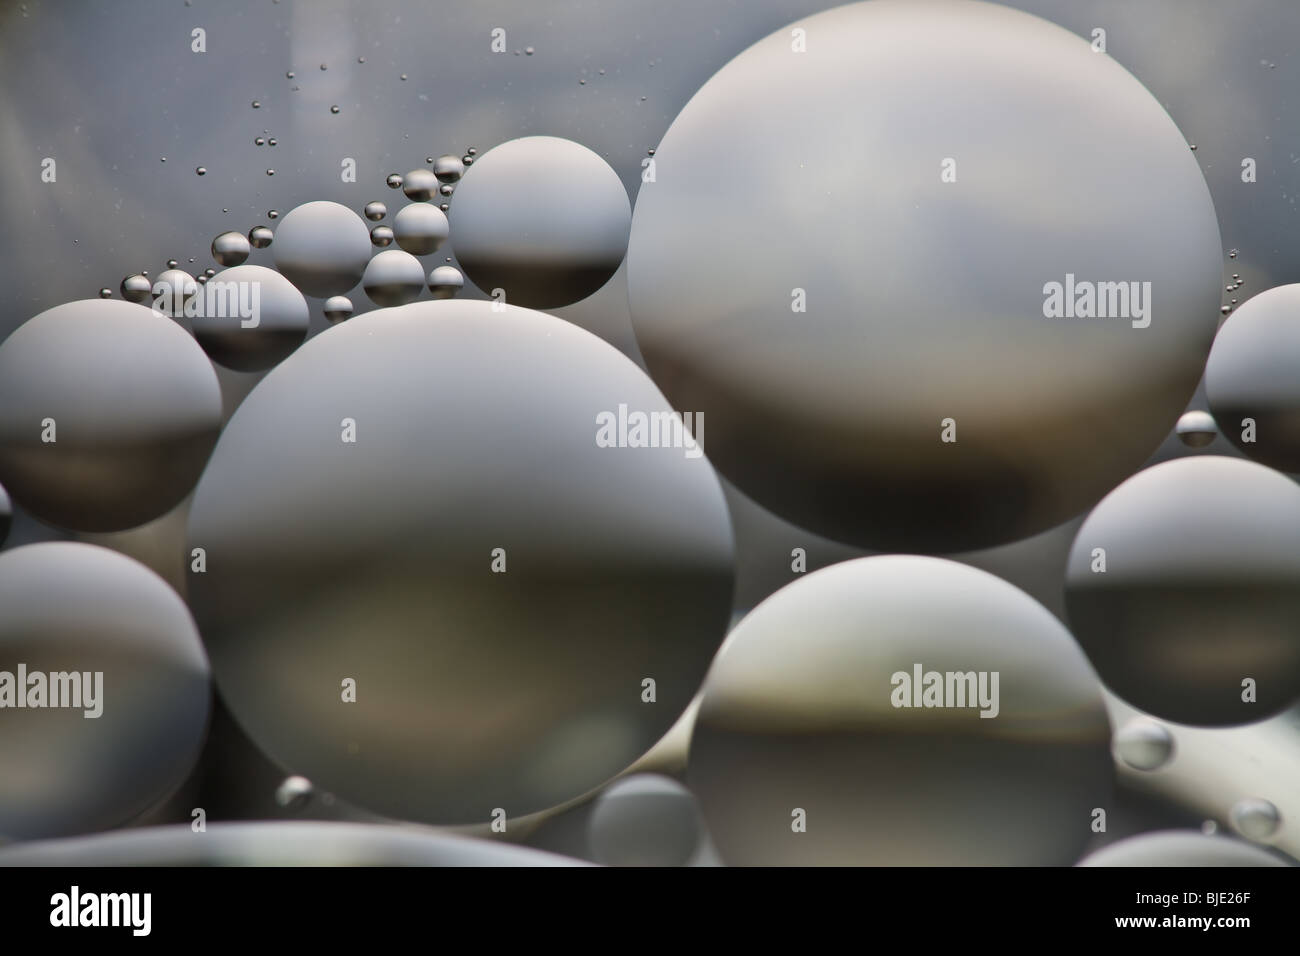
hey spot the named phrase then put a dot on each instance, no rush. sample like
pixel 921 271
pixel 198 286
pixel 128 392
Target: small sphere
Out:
pixel 419 184
pixel 394 181
pixel 230 248
pixel 337 308
pixel 375 211
pixel 260 237
pixel 445 282
pixel 381 236
pixel 448 168
pixel 136 288
pixel 1196 429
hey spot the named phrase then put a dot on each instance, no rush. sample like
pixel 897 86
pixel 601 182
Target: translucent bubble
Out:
pixel 252 318
pixel 612 550
pixel 1153 622
pixel 419 184
pixel 1144 744
pixel 337 308
pixel 1209 827
pixel 1255 819
pixel 448 168
pixel 420 229
pixel 836 724
pixel 1225 310
pixel 376 211
pixel 260 237
pixel 136 288
pixel 393 277
pixel 131 645
pixel 838 430
pixel 445 282
pixel 173 289
pixel 381 236
pixel 294 793
pixel 1196 429
pixel 322 247
pixel 230 248
pixel 201 170
pixel 1252 374
pixel 645 820
pixel 1181 848
pixel 394 181
pixel 544 218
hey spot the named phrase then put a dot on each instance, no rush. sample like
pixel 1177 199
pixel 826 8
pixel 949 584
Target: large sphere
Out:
pixel 543 218
pixel 1201 590
pixel 131 402
pixel 91 621
pixel 1254 372
pixel 812 706
pixel 251 319
pixel 1182 849
pixel 806 270
pixel 477 446
pixel 322 248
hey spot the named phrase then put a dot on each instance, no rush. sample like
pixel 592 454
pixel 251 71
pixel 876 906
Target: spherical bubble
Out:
pixel 272 214
pixel 645 820
pixel 1200 592
pixel 393 277
pixel 1252 374
pixel 381 236
pixel 448 168
pixel 543 218
pixel 1255 819
pixel 1180 848
pixel 260 237
pixel 106 293
pixel 6 515
pixel 252 317
pixel 294 793
pixel 614 563
pixel 419 184
pixel 136 288
pixel 230 248
pixel 394 181
pixel 376 211
pixel 1144 744
pixel 291 843
pixel 95 634
pixel 131 402
pixel 337 308
pixel 832 730
pixel 322 248
pixel 829 357
pixel 420 228
pixel 173 289
pixel 1196 429
pixel 445 282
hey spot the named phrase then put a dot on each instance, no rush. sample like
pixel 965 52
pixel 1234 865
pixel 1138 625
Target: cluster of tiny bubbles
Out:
pixel 273 214
pixel 375 211
pixel 445 282
pixel 337 308
pixel 381 236
pixel 1255 819
pixel 294 793
pixel 1144 744
pixel 393 278
pixel 201 170
pixel 1196 429
pixel 230 248
pixel 106 293
pixel 394 181
pixel 419 184
pixel 260 236
pixel 136 287
pixel 334 109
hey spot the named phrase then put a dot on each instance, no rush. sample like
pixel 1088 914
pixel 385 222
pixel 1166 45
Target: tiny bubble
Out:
pixel 106 293
pixel 270 172
pixel 289 75
pixel 271 214
pixel 322 66
pixel 172 263
pixel 361 59
pixel 444 207
pixel 529 50
pixel 259 141
pixel 257 105
pixel 403 76
pixel 272 141
pixel 334 109
pixel 202 170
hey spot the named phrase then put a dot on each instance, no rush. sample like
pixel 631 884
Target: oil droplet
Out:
pixel 448 168
pixel 260 237
pixel 446 189
pixel 334 109
pixel 136 288
pixel 295 792
pixel 257 105
pixel 272 142
pixel 1255 819
pixel 375 211
pixel 270 214
pixel 259 141
pixel 201 170
pixel 381 236
pixel 289 75
pixel 106 293
pixel 1144 744
pixel 337 308
pixel 1196 429
pixel 172 263
pixel 270 172
pixel 394 181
